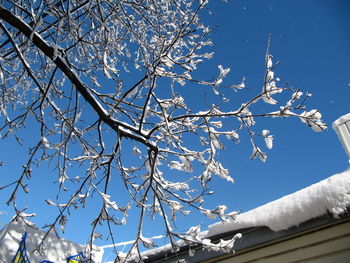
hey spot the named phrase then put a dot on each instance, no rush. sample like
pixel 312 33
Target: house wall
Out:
pixel 330 244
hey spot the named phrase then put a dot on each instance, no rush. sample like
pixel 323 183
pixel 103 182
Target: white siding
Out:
pixel 331 244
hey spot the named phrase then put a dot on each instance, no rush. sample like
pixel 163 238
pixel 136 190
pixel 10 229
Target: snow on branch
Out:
pixel 103 82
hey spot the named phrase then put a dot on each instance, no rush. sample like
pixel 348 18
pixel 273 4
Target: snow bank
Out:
pixel 55 250
pixel 331 194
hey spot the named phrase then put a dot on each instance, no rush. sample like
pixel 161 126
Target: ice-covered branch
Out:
pixel 103 83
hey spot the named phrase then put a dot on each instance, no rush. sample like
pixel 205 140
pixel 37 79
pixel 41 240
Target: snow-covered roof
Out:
pixel 329 195
pixel 55 249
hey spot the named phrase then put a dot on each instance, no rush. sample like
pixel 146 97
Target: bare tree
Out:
pixel 101 79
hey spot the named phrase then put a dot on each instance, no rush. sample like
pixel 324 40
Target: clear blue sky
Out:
pixel 311 40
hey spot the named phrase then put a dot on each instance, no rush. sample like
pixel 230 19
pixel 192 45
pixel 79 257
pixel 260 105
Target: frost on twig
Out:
pixel 102 82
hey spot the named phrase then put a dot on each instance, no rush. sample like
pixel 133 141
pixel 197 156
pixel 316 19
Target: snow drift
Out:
pixel 55 249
